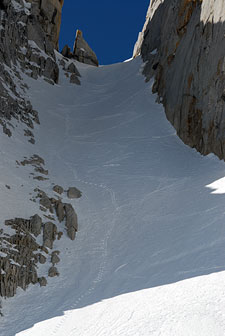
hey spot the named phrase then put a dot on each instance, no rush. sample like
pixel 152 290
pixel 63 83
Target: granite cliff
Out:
pixel 183 45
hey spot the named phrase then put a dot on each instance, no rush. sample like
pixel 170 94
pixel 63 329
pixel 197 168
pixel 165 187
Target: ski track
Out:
pixel 104 256
pixel 103 247
pixel 148 259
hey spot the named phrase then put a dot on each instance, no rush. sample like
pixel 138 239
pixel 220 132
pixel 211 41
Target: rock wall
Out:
pixel 183 46
pixel 49 14
pixel 29 32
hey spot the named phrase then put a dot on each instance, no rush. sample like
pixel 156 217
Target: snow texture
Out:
pixel 149 257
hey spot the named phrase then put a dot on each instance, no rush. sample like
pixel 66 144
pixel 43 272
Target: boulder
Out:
pixel 42 281
pixel 36 224
pixel 58 189
pixel 52 272
pixel 49 234
pixel 73 192
pixel 71 221
pixel 46 202
pixel 60 211
pixel 42 259
pixel 55 258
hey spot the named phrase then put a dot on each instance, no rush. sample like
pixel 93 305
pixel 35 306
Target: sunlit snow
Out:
pixel 149 257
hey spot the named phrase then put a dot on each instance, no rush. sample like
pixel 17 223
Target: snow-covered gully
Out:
pixel 149 257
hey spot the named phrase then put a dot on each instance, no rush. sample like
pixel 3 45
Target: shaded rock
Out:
pixel 49 217
pixel 42 281
pixel 53 272
pixel 40 178
pixel 62 63
pixel 49 234
pixel 46 202
pixel 71 221
pixel 32 141
pixel 72 68
pixel 44 249
pixel 54 201
pixel 60 211
pixel 74 79
pixel 60 234
pixel 191 91
pixel 55 258
pixel 82 52
pixel 49 13
pixel 33 225
pixel 66 52
pixel 43 209
pixel 41 170
pixel 42 259
pixel 28 133
pixel 20 257
pixel 7 131
pixel 34 160
pixel 58 189
pixel 36 224
pixel 73 193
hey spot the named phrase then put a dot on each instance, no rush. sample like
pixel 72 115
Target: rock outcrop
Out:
pixel 19 255
pixel 183 46
pixel 71 221
pixel 81 51
pixel 29 32
pixel 49 13
pixel 73 192
pixel 20 252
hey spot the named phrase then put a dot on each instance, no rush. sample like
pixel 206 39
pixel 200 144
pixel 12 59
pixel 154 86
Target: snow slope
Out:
pixel 149 258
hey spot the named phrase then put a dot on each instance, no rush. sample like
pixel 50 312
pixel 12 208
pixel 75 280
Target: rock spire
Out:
pixel 81 51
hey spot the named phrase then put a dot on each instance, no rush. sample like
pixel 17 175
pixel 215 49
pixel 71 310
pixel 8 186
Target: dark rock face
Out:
pixel 184 47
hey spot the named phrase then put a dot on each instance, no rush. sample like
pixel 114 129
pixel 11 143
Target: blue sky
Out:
pixel 110 27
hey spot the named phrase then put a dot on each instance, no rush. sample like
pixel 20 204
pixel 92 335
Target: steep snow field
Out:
pixel 149 257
